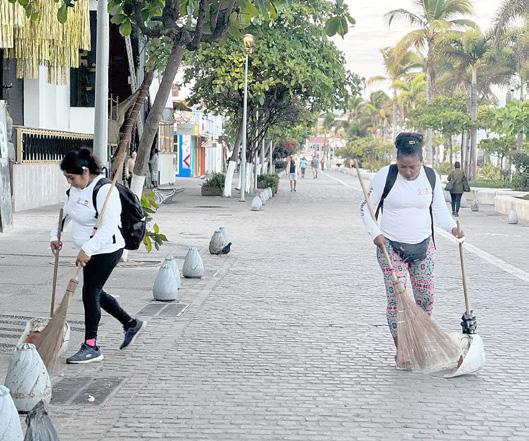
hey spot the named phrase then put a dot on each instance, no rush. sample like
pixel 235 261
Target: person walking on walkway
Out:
pixel 410 200
pixel 129 168
pixel 291 167
pixel 314 164
pixel 455 187
pixel 99 252
pixel 303 166
pixel 154 167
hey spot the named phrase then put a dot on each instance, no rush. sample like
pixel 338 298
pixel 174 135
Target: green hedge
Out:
pixel 269 180
pixel 216 181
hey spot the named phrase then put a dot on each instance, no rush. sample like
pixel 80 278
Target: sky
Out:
pixel 363 42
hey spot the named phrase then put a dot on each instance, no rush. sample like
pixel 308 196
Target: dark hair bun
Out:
pixel 85 154
pixel 409 141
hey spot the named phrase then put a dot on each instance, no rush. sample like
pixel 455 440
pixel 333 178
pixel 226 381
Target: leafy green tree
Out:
pixel 293 69
pixel 445 115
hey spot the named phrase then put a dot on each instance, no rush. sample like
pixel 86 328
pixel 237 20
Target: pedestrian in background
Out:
pixel 129 168
pixel 314 164
pixel 100 251
pixel 292 173
pixel 322 162
pixel 414 202
pixel 303 166
pixel 153 167
pixel 456 188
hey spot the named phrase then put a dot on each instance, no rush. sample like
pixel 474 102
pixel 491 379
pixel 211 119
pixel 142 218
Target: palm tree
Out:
pixel 434 18
pixel 397 68
pixel 412 92
pixel 509 10
pixel 469 51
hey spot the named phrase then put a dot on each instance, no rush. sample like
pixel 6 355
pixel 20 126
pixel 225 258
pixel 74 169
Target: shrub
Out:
pixel 269 180
pixel 215 181
pixel 280 165
pixel 444 168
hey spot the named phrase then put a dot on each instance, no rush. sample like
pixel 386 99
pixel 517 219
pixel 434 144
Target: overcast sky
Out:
pixel 363 42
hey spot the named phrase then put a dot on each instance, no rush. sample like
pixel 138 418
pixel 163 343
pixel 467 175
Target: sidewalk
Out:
pixel 285 338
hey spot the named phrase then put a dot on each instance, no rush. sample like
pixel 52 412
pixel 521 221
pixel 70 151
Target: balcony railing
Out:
pixel 42 145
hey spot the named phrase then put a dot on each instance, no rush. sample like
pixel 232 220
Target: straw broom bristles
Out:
pixel 420 341
pixel 49 341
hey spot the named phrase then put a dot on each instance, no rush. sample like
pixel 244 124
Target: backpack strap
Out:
pixel 390 181
pixel 99 184
pixel 430 174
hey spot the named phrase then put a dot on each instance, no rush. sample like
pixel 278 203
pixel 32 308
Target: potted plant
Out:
pixel 214 186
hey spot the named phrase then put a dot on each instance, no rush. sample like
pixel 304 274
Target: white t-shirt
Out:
pixel 406 215
pixel 79 208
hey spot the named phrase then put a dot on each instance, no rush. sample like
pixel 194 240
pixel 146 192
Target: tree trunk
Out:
pixel 132 118
pixel 232 163
pixel 473 166
pixel 429 98
pixel 153 119
pixel 451 147
pixel 519 136
pixel 462 153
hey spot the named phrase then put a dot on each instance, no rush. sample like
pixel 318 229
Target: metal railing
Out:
pixel 42 145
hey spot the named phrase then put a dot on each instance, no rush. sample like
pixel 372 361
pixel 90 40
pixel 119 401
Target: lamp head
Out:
pixel 248 40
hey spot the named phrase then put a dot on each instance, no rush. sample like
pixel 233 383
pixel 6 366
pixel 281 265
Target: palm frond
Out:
pixel 403 15
pixel 509 10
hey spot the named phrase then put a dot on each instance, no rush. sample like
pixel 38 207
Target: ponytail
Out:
pixel 77 161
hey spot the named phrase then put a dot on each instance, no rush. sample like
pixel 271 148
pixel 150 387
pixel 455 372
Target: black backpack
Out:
pixel 133 220
pixel 390 181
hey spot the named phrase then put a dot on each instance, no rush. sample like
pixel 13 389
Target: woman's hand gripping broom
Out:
pixel 420 340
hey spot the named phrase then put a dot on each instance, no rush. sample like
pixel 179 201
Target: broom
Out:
pixel 421 342
pixel 49 341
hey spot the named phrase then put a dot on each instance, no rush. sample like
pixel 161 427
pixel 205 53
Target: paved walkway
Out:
pixel 285 338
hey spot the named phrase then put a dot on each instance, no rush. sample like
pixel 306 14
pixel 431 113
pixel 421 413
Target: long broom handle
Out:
pixel 463 273
pixel 372 213
pixel 56 265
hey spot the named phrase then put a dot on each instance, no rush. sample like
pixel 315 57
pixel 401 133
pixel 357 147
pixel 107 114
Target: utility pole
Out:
pixel 101 92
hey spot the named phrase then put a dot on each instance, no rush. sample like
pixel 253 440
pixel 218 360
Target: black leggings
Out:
pixel 456 201
pixel 95 274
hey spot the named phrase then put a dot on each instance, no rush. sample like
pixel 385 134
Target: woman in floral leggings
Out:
pixel 421 278
pixel 410 198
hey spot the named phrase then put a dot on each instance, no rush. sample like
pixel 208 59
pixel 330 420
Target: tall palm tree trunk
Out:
pixel 429 99
pixel 473 166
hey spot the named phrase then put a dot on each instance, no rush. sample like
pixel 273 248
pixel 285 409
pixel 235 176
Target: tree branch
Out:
pixel 202 9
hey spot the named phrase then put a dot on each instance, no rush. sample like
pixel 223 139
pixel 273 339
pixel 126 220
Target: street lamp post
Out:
pixel 248 40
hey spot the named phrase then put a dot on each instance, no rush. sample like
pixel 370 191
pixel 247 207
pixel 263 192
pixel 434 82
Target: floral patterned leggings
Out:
pixel 421 277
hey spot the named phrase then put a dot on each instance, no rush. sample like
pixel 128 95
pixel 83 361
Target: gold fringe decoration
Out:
pixel 46 42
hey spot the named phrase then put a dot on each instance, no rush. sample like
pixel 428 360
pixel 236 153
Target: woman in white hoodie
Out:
pixel 100 250
pixel 410 199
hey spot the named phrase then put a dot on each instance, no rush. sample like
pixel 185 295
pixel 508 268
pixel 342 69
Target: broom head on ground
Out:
pixel 49 341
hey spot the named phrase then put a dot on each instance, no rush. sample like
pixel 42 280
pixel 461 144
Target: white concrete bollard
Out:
pixel 263 197
pixel 216 243
pixel 224 235
pixel 165 287
pixel 257 204
pixel 193 266
pixel 10 427
pixel 27 378
pixel 270 192
pixel 513 217
pixel 176 271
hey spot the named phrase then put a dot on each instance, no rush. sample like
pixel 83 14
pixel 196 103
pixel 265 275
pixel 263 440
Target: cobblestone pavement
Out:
pixel 285 338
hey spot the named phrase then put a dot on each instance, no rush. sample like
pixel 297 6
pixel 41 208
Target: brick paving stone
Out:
pixel 285 338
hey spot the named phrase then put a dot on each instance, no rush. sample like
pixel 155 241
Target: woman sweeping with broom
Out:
pixel 99 253
pixel 410 199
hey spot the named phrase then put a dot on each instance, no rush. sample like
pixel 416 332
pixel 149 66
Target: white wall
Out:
pixel 37 185
pixel 47 106
pixel 167 167
pixel 214 159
